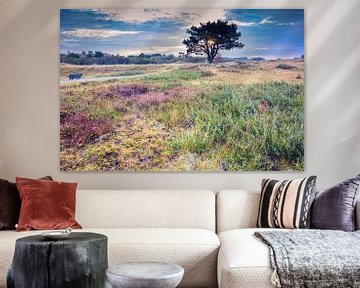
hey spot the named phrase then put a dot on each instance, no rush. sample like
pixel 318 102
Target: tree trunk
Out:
pixel 210 58
pixel 79 261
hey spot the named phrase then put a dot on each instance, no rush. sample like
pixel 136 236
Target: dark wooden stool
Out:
pixel 78 261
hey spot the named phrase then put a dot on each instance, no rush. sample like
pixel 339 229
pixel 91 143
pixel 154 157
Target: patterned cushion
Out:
pixel 286 204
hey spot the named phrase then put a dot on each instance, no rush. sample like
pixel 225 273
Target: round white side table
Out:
pixel 145 275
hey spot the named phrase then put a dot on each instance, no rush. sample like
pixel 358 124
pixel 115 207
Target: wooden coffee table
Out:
pixel 78 261
pixel 145 275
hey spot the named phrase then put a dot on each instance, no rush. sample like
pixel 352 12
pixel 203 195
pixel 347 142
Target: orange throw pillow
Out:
pixel 46 204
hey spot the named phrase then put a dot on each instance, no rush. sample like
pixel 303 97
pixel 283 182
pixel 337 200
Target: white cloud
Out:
pixel 257 48
pixel 132 15
pixel 279 47
pixel 188 16
pixel 68 40
pixel 150 50
pixel 98 33
pixel 266 21
pixel 244 24
pixel 286 24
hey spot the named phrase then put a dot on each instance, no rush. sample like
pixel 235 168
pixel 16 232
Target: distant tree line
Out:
pixel 101 58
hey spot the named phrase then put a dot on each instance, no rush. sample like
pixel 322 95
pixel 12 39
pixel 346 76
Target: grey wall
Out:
pixel 29 97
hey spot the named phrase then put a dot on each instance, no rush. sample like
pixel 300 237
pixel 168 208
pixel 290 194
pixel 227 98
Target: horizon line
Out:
pixel 195 56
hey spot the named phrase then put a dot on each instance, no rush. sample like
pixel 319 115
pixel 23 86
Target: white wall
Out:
pixel 29 97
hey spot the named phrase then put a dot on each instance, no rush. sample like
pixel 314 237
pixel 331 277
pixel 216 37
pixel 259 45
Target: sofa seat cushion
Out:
pixel 194 249
pixel 244 261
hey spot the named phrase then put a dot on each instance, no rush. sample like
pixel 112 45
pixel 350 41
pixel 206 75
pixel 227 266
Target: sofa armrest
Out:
pixel 357 215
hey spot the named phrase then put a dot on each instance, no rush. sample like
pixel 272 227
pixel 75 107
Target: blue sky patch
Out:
pixel 268 33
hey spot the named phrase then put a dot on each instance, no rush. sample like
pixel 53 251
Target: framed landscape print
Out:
pixel 181 89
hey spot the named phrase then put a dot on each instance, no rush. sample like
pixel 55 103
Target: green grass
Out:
pixel 229 121
pixel 175 78
pixel 190 141
pixel 119 74
pixel 178 74
pixel 220 127
pixel 102 110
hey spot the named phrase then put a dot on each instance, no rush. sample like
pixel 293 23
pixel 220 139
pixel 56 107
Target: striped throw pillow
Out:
pixel 286 204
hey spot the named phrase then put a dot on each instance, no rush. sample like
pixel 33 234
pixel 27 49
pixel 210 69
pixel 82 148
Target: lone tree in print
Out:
pixel 212 37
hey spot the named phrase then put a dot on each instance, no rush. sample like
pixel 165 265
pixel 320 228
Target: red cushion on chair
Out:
pixel 46 204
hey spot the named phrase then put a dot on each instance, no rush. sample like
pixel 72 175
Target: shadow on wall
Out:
pixel 335 52
pixel 328 40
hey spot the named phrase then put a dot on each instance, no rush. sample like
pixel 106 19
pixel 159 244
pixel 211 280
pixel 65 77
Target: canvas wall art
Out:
pixel 181 89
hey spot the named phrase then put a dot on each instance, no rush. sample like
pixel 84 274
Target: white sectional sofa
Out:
pixel 177 226
pixel 243 260
pixel 163 225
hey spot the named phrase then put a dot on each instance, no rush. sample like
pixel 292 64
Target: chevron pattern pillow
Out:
pixel 286 204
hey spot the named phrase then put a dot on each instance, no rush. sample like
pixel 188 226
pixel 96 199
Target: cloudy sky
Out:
pixel 268 33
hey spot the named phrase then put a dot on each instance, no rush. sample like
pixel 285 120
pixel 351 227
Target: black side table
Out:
pixel 78 261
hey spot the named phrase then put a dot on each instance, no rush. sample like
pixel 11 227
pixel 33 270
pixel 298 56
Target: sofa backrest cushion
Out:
pixel 236 209
pixel 146 209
